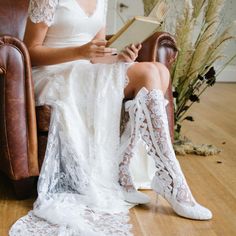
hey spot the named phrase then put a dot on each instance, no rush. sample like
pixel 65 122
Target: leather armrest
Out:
pixel 18 139
pixel 160 47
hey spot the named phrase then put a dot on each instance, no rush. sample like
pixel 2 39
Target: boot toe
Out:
pixel 198 212
pixel 204 213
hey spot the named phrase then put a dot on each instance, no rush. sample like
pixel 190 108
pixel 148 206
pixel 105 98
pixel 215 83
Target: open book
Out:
pixel 134 31
pixel 139 28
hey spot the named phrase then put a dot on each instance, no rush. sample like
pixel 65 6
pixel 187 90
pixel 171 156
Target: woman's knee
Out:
pixel 151 75
pixel 145 74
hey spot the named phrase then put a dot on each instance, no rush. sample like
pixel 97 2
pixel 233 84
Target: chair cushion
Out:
pixel 43 114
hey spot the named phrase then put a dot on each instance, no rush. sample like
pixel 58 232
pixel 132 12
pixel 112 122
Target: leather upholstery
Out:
pixel 23 140
pixel 13 15
pixel 18 139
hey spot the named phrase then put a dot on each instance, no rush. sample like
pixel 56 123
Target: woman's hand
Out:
pixel 130 53
pixel 95 48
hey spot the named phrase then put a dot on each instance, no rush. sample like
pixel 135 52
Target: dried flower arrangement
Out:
pixel 148 5
pixel 199 50
pixel 194 69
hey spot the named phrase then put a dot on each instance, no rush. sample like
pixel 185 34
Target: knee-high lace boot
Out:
pixel 126 153
pixel 150 118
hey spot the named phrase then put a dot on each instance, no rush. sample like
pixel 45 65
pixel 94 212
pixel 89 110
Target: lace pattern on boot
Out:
pixel 153 123
pixel 125 179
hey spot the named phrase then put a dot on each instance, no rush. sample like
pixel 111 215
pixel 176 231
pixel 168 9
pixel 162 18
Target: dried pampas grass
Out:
pixel 159 11
pixel 201 42
pixel 185 146
pixel 183 33
pixel 149 5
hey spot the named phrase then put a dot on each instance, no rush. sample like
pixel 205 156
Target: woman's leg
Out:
pixel 149 75
pixel 148 116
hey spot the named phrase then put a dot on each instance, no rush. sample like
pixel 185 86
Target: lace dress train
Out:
pixel 78 189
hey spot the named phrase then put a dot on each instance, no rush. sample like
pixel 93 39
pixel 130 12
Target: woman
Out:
pixel 85 185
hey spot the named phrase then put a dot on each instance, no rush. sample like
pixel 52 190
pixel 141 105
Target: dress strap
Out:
pixel 42 11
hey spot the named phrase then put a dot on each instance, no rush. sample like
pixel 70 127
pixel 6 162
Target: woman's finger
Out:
pixel 125 56
pixel 139 46
pixel 99 42
pixel 131 53
pixel 103 54
pixel 128 56
pixel 106 50
pixel 134 48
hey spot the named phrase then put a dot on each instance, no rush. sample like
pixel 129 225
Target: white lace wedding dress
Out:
pixel 78 187
pixel 78 190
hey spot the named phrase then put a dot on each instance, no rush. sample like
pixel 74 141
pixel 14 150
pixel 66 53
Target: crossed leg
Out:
pixel 149 121
pixel 152 75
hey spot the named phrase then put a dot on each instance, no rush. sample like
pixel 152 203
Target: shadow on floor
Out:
pixel 7 189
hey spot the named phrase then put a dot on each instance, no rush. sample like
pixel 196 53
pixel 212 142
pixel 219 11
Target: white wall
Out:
pixel 117 17
pixel 228 75
pixel 229 15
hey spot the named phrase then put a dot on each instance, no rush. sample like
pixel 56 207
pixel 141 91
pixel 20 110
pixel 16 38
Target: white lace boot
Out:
pixel 131 195
pixel 149 115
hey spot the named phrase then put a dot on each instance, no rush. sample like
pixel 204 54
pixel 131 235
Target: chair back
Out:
pixel 13 16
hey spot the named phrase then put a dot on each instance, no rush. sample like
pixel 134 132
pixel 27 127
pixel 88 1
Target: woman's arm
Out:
pixel 41 55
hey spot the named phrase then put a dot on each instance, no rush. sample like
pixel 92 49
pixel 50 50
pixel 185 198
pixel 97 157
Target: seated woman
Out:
pixel 85 185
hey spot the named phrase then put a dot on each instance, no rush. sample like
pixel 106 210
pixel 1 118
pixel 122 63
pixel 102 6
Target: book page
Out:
pixel 135 32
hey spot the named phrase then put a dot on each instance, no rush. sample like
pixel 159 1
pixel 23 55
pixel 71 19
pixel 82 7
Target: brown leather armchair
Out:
pixel 24 128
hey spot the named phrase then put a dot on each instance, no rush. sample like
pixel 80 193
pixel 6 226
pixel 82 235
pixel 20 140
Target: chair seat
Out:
pixel 43 114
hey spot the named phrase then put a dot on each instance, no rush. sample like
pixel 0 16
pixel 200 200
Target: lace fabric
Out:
pixel 132 135
pixel 68 202
pixel 125 178
pixel 149 115
pixel 31 225
pixel 78 189
pixel 42 11
pixel 128 152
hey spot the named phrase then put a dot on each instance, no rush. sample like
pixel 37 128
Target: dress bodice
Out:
pixel 69 24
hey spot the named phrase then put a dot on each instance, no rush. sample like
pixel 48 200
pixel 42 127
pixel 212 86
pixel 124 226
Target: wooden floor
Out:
pixel 213 184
